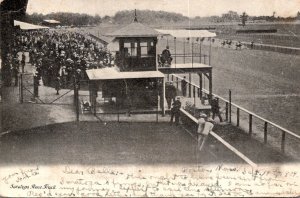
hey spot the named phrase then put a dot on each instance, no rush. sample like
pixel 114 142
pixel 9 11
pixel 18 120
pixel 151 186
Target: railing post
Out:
pixel 266 132
pixel 238 117
pixel 177 82
pixel 229 106
pixel 283 142
pixel 250 124
pixel 172 78
pixel 192 53
pixel 226 109
pixel 194 91
pixel 21 88
pixel 168 77
pixel 175 49
pixel 190 86
pixel 184 51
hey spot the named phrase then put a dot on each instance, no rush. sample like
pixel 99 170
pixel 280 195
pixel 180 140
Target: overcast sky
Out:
pixel 189 8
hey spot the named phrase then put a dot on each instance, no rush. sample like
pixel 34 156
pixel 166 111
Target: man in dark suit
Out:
pixel 175 111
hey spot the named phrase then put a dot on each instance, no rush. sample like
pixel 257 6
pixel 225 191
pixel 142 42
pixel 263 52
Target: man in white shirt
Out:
pixel 205 126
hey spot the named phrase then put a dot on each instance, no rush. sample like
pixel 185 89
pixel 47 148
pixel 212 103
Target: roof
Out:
pixel 187 33
pixel 112 74
pixel 135 29
pixel 189 65
pixel 28 26
pixel 51 21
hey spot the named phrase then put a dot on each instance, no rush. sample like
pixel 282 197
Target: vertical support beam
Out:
pixel 200 50
pixel 190 87
pixel 266 132
pixel 175 50
pixel 158 98
pixel 209 52
pixel 238 117
pixel 250 124
pixel 163 97
pixel 210 86
pixel 200 84
pixel 21 88
pixel 194 92
pixel 283 142
pixel 192 54
pixel 184 51
pixel 229 106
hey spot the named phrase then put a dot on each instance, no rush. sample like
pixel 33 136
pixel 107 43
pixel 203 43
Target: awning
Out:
pixel 28 26
pixel 112 74
pixel 52 21
pixel 187 33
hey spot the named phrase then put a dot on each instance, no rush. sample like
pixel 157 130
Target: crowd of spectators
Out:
pixel 57 56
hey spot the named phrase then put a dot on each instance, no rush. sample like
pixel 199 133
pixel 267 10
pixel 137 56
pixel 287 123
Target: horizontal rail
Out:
pixel 234 150
pixel 245 110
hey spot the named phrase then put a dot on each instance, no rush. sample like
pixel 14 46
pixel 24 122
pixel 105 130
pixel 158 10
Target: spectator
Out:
pixel 166 56
pixel 183 86
pixel 175 111
pixel 215 108
pixel 205 126
pixel 170 94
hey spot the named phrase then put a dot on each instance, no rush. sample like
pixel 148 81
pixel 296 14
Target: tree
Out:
pixel 244 18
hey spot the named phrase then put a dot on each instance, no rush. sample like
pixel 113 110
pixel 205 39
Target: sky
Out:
pixel 190 8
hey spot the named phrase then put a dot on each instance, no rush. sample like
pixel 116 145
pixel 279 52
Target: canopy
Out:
pixel 135 29
pixel 112 73
pixel 52 21
pixel 28 26
pixel 187 33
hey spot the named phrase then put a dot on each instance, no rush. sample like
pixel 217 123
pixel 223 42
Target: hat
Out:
pixel 203 115
pixel 178 98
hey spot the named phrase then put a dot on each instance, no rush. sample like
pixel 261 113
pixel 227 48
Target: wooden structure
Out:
pixel 135 82
pixel 201 69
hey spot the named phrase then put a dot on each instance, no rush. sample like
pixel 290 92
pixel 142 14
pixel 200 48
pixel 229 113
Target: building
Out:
pixel 51 23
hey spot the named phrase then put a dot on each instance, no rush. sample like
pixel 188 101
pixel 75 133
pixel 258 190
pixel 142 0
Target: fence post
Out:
pixel 238 117
pixel 250 124
pixel 283 142
pixel 21 88
pixel 76 100
pixel 229 106
pixel 265 132
pixel 226 109
pixel 190 86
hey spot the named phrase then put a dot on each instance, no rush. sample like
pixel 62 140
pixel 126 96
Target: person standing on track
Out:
pixel 205 126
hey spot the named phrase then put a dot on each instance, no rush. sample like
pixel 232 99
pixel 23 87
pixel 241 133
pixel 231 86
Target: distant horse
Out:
pixel 238 45
pixel 223 43
pixel 252 44
pixel 229 42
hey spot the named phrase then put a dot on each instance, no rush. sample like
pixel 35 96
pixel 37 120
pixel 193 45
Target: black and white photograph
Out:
pixel 150 98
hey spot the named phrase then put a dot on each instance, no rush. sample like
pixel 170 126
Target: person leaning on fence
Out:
pixel 205 126
pixel 175 111
pixel 215 108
